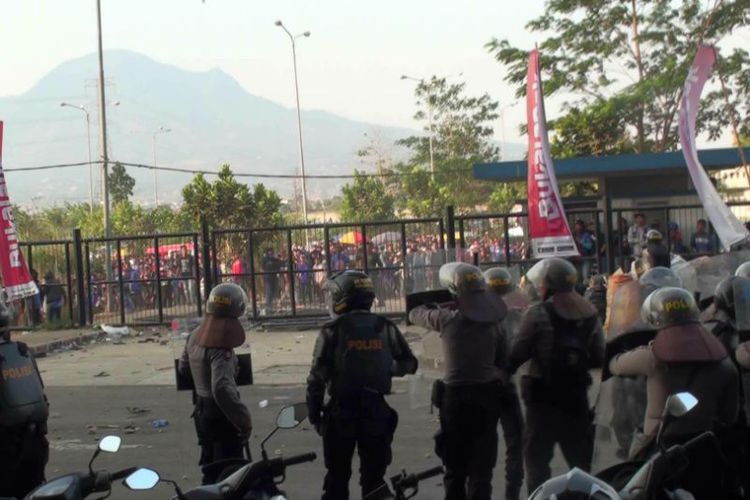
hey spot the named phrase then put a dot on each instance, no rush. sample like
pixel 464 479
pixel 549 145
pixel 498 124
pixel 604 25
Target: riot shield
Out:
pixel 701 275
pixel 620 404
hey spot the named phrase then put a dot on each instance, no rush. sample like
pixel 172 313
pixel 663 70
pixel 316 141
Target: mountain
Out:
pixel 213 120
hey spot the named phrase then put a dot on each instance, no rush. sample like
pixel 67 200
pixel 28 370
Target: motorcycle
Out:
pixel 247 481
pixel 80 485
pixel 404 485
pixel 654 478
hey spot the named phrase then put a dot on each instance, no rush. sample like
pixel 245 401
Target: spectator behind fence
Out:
pixel 187 264
pixel 675 239
pixel 271 265
pixel 637 235
pixel 586 244
pixel 701 242
pixel 54 296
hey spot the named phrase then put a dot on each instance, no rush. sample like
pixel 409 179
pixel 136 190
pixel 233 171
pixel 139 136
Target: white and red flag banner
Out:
pixel 16 277
pixel 548 227
pixel 728 228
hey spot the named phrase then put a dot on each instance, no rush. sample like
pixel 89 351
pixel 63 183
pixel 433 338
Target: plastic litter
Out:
pixel 159 423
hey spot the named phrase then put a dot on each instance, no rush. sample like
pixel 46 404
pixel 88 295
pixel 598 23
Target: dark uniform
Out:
pixel 355 356
pixel 24 449
pixel 684 357
pixel 559 342
pixel 476 389
pixel 222 421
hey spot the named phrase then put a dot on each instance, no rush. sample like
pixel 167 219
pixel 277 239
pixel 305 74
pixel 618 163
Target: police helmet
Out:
pixel 744 270
pixel 349 290
pixel 658 277
pixel 724 294
pixel 499 280
pixel 575 485
pixel 461 278
pixel 227 300
pixel 670 306
pixel 654 236
pixel 554 274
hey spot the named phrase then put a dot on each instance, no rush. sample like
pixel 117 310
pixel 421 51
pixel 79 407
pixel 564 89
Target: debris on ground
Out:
pixel 101 374
pixel 134 410
pixel 159 423
pixel 130 429
pixel 263 403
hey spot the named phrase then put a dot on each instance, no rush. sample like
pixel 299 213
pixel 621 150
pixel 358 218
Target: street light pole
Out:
pixel 88 142
pixel 292 39
pixel 160 130
pixel 103 134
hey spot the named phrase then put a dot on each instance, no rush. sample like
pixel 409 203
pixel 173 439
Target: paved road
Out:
pixel 173 450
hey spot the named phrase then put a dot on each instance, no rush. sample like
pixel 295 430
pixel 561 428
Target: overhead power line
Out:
pixel 212 172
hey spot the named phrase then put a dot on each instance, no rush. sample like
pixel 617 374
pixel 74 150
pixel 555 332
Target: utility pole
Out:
pixel 105 157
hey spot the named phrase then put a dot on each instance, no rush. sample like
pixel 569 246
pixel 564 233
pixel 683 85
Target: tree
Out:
pixel 229 203
pixel 366 199
pixel 121 184
pixel 462 137
pixel 630 59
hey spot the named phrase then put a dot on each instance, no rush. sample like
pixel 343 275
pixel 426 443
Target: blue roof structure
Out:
pixel 605 166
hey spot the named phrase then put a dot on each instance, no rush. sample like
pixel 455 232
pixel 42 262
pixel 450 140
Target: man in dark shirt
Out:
pixel 701 242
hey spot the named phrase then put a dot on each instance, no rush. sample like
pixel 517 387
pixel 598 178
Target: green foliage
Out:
pixel 229 203
pixel 505 195
pixel 597 129
pixel 366 199
pixel 121 184
pixel 627 61
pixel 462 137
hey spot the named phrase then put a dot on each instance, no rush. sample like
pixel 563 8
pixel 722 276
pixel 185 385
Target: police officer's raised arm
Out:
pixel 224 390
pixel 639 361
pixel 432 318
pixel 404 361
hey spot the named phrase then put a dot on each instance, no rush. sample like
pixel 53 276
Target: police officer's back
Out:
pixel 24 449
pixel 355 356
pixel 476 389
pixel 684 356
pixel 560 340
pixel 222 421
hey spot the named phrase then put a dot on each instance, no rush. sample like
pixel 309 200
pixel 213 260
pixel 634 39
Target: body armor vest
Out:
pixel 569 363
pixel 363 356
pixel 21 394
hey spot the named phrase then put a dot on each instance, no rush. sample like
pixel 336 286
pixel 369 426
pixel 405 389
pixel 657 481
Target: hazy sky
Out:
pixel 350 65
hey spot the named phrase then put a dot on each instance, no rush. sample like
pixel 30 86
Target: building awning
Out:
pixel 611 166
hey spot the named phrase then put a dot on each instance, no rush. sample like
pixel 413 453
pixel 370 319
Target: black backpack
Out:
pixel 569 365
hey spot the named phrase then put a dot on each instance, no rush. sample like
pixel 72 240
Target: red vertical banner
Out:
pixel 548 226
pixel 16 277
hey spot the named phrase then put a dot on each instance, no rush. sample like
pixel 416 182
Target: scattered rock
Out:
pixel 134 410
pixel 101 374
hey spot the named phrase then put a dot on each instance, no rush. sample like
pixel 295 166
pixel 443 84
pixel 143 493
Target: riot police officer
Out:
pixel 656 253
pixel 222 421
pixel 355 356
pixel 500 281
pixel 476 390
pixel 24 449
pixel 684 356
pixel 560 340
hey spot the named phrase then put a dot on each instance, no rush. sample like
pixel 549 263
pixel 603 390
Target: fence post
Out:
pixel 157 258
pixel 79 277
pixel 609 233
pixel 450 227
pixel 207 274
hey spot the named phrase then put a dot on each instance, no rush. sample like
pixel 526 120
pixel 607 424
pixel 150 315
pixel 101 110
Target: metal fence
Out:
pixel 153 279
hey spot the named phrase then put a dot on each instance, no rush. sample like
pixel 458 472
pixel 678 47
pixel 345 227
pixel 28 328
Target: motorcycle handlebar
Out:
pixel 435 471
pixel 300 459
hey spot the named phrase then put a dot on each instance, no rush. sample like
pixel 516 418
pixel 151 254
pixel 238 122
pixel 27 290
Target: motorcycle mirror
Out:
pixel 681 404
pixel 142 479
pixel 291 416
pixel 110 444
